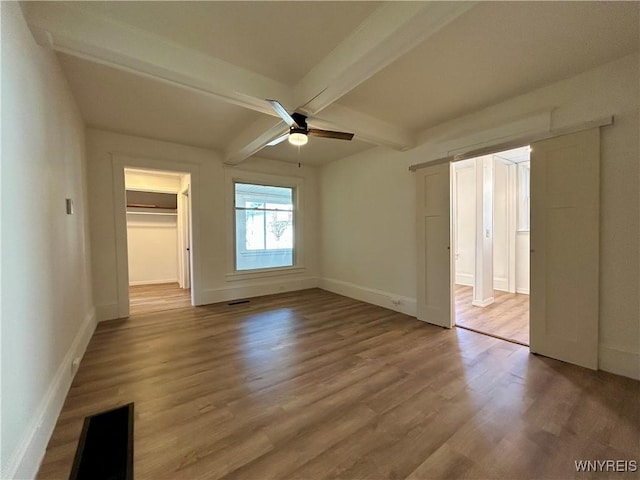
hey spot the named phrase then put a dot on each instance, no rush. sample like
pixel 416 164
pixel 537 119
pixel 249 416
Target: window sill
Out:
pixel 263 273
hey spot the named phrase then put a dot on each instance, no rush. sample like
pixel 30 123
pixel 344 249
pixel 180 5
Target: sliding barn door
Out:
pixel 434 256
pixel 565 185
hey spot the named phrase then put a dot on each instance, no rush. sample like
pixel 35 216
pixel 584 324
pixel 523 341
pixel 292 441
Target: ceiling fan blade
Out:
pixel 330 134
pixel 280 110
pixel 278 140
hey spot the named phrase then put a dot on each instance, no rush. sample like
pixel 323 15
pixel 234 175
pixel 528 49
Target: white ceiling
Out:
pixel 124 102
pixel 381 70
pixel 494 52
pixel 281 40
pixel 317 152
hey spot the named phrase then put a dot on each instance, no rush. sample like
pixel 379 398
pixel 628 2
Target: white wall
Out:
pixel 465 221
pixel 47 315
pixel 152 237
pixel 522 262
pixel 209 206
pixel 501 227
pixel 368 219
pixel 504 236
pixel 141 180
pixel 152 246
pixel 523 257
pixel 368 204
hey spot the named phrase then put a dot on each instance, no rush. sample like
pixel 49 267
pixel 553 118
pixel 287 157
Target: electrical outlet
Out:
pixel 74 365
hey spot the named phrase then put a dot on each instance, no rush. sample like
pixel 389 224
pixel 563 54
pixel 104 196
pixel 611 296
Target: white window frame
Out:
pixel 234 176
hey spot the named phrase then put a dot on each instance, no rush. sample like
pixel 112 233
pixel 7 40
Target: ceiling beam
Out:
pixel 389 32
pixel 253 138
pixel 71 29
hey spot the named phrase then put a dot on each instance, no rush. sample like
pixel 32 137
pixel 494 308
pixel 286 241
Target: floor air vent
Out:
pixel 105 448
pixel 237 302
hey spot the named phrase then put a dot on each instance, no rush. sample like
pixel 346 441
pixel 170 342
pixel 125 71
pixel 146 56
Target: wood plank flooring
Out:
pixel 507 317
pixel 157 298
pixel 313 385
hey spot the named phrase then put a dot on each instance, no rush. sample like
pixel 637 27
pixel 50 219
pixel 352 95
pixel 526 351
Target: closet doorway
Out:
pixel 158 240
pixel 491 236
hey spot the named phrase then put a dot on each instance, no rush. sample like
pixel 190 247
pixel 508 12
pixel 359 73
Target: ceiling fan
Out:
pixel 299 131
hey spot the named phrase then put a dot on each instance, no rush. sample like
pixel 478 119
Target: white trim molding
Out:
pixel 264 273
pixel 536 127
pixel 106 312
pixel 258 289
pixel 31 448
pixel 620 362
pixel 389 300
pixel 153 282
pixel 120 162
pixel 466 279
pixel 483 303
pixel 501 283
pixel 233 175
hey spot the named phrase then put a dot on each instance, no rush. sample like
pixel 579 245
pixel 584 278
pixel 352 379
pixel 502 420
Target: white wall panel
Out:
pixel 152 242
pixel 465 222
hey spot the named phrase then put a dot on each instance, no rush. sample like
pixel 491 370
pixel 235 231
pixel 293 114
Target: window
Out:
pixel 264 226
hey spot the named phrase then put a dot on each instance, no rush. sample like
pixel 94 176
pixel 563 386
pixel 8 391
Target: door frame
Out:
pixel 183 219
pixel 184 236
pixel 119 162
pixel 496 147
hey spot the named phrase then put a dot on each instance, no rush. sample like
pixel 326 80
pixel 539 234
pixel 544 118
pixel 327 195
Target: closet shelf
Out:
pixel 174 214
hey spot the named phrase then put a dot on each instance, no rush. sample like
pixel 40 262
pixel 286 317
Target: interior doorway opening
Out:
pixel 490 222
pixel 158 215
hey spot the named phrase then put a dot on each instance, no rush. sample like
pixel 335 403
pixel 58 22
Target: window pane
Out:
pixel 264 226
pixel 264 196
pixel 254 230
pixel 279 230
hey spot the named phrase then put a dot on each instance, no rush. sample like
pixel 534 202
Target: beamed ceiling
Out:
pixel 198 73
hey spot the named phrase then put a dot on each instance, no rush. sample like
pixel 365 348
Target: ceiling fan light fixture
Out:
pixel 298 139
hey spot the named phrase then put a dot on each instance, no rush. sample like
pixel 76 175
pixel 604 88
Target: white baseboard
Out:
pixel 620 362
pixel 153 282
pixel 483 303
pixel 254 289
pixel 388 300
pixel 465 279
pixel 524 291
pixel 107 312
pixel 501 284
pixel 26 459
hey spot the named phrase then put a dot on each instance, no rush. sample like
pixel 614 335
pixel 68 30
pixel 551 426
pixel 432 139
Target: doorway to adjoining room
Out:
pixel 490 226
pixel 158 240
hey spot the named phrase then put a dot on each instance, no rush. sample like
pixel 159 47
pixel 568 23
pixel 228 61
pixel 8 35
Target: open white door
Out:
pixel 185 239
pixel 433 238
pixel 565 185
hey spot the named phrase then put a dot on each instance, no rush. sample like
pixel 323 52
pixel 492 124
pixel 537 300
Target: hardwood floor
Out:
pixel 157 298
pixel 311 385
pixel 507 317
